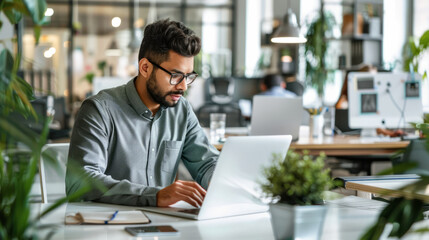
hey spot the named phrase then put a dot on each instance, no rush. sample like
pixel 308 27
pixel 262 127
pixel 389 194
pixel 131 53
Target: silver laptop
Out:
pixel 276 116
pixel 234 188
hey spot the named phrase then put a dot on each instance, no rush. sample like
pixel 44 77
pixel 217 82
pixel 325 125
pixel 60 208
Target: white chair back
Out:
pixel 52 173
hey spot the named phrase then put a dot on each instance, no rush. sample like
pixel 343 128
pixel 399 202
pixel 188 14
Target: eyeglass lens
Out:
pixel 176 78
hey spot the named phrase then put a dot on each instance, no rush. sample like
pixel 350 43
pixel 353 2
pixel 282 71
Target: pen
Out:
pixel 112 217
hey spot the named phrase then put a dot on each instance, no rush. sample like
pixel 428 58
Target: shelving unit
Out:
pixel 361 37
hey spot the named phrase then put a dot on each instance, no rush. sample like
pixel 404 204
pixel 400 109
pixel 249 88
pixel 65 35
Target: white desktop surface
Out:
pixel 346 218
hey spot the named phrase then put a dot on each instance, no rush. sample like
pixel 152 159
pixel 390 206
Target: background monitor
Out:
pixel 384 100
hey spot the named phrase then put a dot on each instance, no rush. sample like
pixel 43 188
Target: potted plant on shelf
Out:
pixel 296 185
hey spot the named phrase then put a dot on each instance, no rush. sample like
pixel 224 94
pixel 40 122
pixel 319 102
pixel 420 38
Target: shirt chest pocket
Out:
pixel 172 151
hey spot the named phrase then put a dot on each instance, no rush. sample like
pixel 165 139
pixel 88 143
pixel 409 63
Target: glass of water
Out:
pixel 217 127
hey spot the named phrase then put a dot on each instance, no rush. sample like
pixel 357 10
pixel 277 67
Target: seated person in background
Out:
pixel 274 85
pixel 132 137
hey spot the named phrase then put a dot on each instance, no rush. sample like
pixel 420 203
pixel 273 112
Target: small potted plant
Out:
pixel 296 185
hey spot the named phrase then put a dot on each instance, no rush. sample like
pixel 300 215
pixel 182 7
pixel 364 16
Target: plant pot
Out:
pixel 297 222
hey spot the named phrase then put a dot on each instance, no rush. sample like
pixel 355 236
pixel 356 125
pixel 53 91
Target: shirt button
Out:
pixel 150 177
pixel 153 149
pixel 145 111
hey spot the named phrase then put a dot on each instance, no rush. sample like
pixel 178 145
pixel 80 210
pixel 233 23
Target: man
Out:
pixel 131 138
pixel 273 85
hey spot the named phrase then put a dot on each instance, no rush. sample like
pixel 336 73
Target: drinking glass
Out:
pixel 217 127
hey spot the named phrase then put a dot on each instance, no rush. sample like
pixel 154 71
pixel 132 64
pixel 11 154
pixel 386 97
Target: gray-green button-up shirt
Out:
pixel 134 155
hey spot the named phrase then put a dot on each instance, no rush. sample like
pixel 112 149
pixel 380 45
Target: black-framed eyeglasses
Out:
pixel 176 78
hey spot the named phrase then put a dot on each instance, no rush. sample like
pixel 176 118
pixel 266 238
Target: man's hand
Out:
pixel 190 192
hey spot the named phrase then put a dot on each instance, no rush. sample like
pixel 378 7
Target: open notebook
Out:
pixel 119 217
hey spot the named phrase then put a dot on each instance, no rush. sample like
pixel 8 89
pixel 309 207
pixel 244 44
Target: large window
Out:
pixel 104 31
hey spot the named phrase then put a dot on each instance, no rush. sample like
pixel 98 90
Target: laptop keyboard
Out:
pixel 191 211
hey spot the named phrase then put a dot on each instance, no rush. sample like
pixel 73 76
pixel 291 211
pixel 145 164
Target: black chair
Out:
pixel 295 87
pixel 232 110
pixel 342 122
pixel 417 153
pixel 220 90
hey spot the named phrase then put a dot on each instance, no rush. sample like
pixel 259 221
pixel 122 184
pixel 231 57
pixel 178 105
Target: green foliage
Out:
pixel 414 51
pixel 17 170
pixel 89 77
pixel 20 147
pixel 15 93
pixel 315 50
pixel 101 65
pixel 423 128
pixel 35 9
pixel 299 179
pixel 403 212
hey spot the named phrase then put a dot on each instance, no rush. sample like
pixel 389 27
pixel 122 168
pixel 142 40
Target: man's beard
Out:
pixel 156 93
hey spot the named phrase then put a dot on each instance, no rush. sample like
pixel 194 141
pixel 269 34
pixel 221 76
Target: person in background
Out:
pixel 131 138
pixel 274 85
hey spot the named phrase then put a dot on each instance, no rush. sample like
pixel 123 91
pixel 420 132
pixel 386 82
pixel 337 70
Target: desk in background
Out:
pixel 343 145
pixel 338 145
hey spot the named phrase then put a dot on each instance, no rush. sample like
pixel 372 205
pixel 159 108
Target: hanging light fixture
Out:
pixel 288 31
pixel 113 50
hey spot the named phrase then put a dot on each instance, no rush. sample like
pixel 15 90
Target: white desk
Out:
pixel 346 218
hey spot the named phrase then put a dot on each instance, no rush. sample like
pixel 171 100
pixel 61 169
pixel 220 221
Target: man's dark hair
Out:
pixel 164 35
pixel 272 80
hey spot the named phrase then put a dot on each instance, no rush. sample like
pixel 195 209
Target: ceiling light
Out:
pixel 288 32
pixel 113 50
pixel 116 22
pixel 49 12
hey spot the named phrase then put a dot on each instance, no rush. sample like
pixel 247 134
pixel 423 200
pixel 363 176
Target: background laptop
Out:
pixel 276 116
pixel 234 188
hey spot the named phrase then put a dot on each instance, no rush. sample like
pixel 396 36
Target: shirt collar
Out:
pixel 137 103
pixel 277 89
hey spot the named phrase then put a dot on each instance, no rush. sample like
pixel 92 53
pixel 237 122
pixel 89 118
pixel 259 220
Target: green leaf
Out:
pixel 414 49
pixel 13 15
pixel 37 32
pixel 424 40
pixel 36 9
pixel 6 66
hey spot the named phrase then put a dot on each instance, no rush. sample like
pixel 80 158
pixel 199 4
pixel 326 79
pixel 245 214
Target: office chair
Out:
pixel 234 118
pixel 415 152
pixel 295 87
pixel 221 89
pixel 52 170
